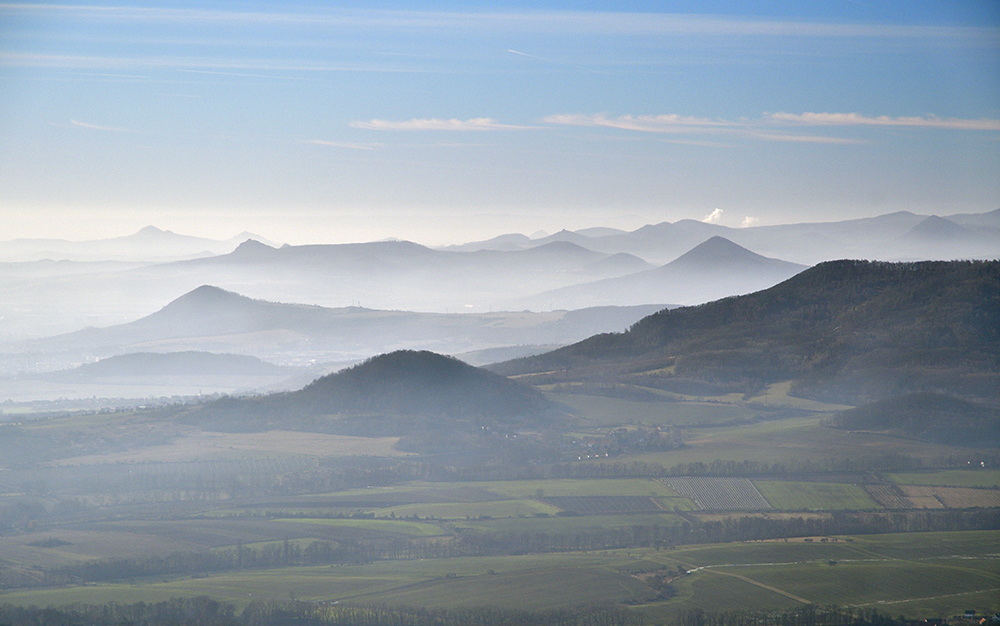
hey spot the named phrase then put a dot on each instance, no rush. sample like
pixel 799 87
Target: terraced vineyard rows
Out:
pixel 888 496
pixel 720 494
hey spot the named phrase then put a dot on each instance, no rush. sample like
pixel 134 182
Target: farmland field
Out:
pixel 460 510
pixel 601 411
pixel 799 439
pixel 721 494
pixel 596 505
pixel 951 497
pixel 983 478
pixel 198 445
pixel 914 574
pixel 579 487
pixel 888 496
pixel 554 525
pixel 396 527
pixel 800 496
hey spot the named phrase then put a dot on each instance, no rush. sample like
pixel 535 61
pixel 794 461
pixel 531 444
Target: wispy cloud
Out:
pixel 803 138
pixel 207 65
pixel 478 123
pixel 644 123
pixel 749 222
pixel 346 144
pixel 569 22
pixel 767 127
pixel 112 129
pixel 856 119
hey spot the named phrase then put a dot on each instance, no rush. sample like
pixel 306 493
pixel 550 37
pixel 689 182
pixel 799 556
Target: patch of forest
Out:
pixel 926 416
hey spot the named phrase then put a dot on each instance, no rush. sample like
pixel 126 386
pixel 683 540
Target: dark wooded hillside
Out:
pixel 926 416
pixel 400 393
pixel 846 331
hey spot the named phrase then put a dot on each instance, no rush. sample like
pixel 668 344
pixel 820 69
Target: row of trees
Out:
pixel 203 611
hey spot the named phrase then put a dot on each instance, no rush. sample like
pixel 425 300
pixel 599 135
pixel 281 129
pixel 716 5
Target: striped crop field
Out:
pixel 923 496
pixel 720 494
pixel 889 496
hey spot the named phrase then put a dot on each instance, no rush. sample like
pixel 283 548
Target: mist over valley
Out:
pixel 538 314
pixel 630 407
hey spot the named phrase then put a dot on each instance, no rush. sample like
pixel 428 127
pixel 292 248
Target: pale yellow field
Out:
pixel 199 445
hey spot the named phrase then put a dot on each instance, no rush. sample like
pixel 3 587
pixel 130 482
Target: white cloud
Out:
pixel 669 123
pixel 346 144
pixel 478 123
pixel 856 119
pixel 749 222
pixel 714 217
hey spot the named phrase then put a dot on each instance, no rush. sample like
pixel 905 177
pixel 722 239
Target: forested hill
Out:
pixel 408 382
pixel 850 331
pixel 400 393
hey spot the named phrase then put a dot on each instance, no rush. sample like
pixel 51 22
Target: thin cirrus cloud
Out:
pixel 576 22
pixel 643 123
pixel 112 129
pixel 856 119
pixel 679 124
pixel 474 124
pixel 755 128
pixel 346 144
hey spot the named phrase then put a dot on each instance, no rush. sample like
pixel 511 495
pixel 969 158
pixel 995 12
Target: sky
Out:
pixel 443 122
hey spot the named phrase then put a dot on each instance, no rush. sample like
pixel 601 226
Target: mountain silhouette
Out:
pixel 715 268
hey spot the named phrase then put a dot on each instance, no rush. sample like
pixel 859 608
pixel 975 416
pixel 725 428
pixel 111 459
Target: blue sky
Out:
pixel 442 122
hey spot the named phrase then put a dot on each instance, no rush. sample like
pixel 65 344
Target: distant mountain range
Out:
pixel 713 269
pixel 147 245
pixel 686 262
pixel 891 237
pixel 211 339
pixel 189 363
pixel 843 331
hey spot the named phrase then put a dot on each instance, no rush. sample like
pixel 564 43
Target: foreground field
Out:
pixel 917 574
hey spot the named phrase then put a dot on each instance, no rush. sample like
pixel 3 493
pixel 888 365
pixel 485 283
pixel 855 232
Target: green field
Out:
pixel 462 510
pixel 561 525
pixel 793 440
pixel 579 487
pixel 802 496
pixel 602 411
pixel 914 574
pixel 983 478
pixel 397 527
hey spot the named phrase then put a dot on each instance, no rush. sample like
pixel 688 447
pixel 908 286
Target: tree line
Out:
pixel 204 611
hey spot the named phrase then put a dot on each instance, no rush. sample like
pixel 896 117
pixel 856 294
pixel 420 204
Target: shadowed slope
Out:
pixel 850 331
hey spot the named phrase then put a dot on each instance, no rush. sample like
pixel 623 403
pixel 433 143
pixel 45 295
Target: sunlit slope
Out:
pixel 844 331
